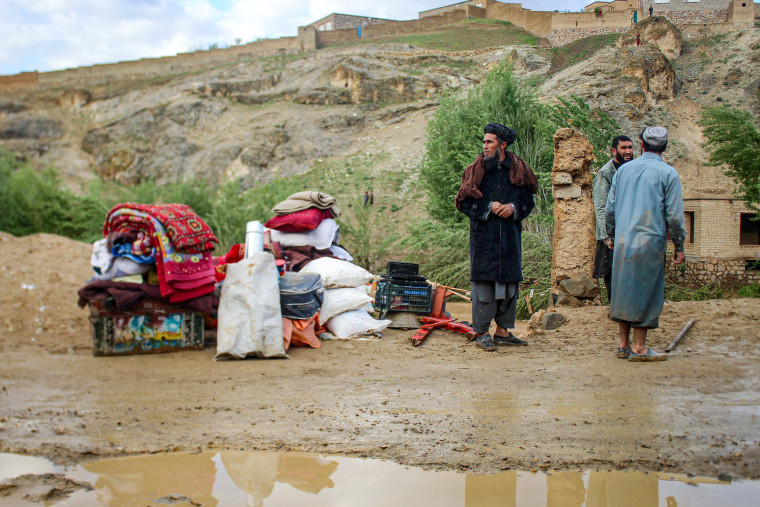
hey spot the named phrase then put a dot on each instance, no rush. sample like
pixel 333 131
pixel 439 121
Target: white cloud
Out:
pixel 56 34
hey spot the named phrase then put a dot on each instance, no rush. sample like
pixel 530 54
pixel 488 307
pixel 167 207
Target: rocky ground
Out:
pixel 564 402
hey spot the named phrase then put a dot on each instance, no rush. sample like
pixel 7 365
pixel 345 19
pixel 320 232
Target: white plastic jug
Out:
pixel 254 238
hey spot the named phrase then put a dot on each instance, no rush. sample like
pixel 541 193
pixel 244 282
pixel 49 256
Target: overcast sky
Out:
pixel 56 34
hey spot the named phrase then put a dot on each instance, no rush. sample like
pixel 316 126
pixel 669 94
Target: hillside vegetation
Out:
pixel 233 140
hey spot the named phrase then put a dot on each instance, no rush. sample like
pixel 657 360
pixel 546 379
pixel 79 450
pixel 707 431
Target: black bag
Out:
pixel 300 295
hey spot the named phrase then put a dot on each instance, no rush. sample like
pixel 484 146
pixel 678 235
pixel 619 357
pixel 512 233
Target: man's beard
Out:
pixel 620 160
pixel 493 161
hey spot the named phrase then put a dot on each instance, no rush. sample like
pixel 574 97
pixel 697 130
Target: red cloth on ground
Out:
pixel 301 332
pixel 299 221
pixel 186 230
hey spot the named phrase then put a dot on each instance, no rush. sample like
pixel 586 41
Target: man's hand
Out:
pixel 610 244
pixel 678 257
pixel 502 210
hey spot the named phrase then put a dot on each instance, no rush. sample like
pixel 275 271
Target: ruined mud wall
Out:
pixel 574 233
pixel 538 22
pixel 389 28
pixel 19 80
pixel 566 36
pixel 148 67
pixel 457 6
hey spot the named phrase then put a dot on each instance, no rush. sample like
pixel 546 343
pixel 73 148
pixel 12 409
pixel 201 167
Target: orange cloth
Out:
pixel 301 332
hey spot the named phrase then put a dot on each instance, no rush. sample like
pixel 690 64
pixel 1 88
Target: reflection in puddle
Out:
pixel 268 478
pixel 14 465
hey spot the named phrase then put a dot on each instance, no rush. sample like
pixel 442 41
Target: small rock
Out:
pixel 580 286
pixel 568 300
pixel 553 320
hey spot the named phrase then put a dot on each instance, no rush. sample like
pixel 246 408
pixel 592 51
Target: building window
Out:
pixel 752 265
pixel 749 229
pixel 691 1
pixel 662 1
pixel 688 222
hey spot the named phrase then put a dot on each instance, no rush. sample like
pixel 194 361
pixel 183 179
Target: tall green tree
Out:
pixel 455 137
pixel 733 139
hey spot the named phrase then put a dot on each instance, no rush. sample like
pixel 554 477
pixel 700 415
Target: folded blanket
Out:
pixel 181 276
pixel 305 200
pixel 127 296
pixel 186 230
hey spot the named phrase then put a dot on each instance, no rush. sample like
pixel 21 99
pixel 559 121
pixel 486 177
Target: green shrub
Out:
pixel 675 292
pixel 749 291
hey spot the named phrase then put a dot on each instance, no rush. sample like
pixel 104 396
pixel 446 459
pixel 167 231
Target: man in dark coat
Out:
pixel 496 194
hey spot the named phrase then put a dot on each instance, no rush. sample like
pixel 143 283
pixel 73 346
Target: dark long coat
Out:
pixel 495 242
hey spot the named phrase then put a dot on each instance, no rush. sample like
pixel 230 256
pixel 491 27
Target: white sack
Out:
pixel 320 238
pixel 337 301
pixel 336 273
pixel 354 324
pixel 250 322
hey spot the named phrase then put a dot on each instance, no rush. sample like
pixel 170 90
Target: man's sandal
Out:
pixel 651 355
pixel 623 352
pixel 510 339
pixel 485 342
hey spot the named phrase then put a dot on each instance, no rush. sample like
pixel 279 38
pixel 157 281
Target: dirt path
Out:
pixel 564 402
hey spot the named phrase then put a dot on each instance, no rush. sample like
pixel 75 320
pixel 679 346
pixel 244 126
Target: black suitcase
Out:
pixel 300 295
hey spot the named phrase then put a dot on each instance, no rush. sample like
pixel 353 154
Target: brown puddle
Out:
pixel 269 478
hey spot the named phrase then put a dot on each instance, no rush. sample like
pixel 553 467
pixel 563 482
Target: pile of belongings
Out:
pixel 153 251
pixel 322 294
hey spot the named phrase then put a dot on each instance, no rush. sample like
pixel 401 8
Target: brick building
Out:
pixel 689 12
pixel 336 21
pixel 484 4
pixel 614 5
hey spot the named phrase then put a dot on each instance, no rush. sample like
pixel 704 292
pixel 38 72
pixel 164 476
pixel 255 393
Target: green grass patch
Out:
pixel 580 50
pixel 749 291
pixel 675 292
pixel 462 36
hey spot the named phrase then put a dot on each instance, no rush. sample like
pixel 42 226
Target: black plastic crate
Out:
pixel 394 297
pixel 403 268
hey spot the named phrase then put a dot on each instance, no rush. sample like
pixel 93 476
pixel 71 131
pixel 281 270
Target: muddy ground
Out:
pixel 564 403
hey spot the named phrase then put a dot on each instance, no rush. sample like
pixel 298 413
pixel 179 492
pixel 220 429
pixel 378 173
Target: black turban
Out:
pixel 504 133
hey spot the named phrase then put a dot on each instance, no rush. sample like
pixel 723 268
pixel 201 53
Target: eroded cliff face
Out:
pixel 280 115
pixel 248 122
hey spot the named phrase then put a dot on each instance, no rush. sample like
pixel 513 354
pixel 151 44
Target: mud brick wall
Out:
pixel 345 21
pixel 574 234
pixel 538 22
pixel 19 80
pixel 457 6
pixel 562 37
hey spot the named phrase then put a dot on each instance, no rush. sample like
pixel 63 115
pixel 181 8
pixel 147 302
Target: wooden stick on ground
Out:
pixel 680 335
pixel 527 302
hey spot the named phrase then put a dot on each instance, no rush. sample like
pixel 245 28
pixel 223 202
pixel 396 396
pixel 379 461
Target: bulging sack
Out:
pixel 354 324
pixel 337 301
pixel 336 273
pixel 250 321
